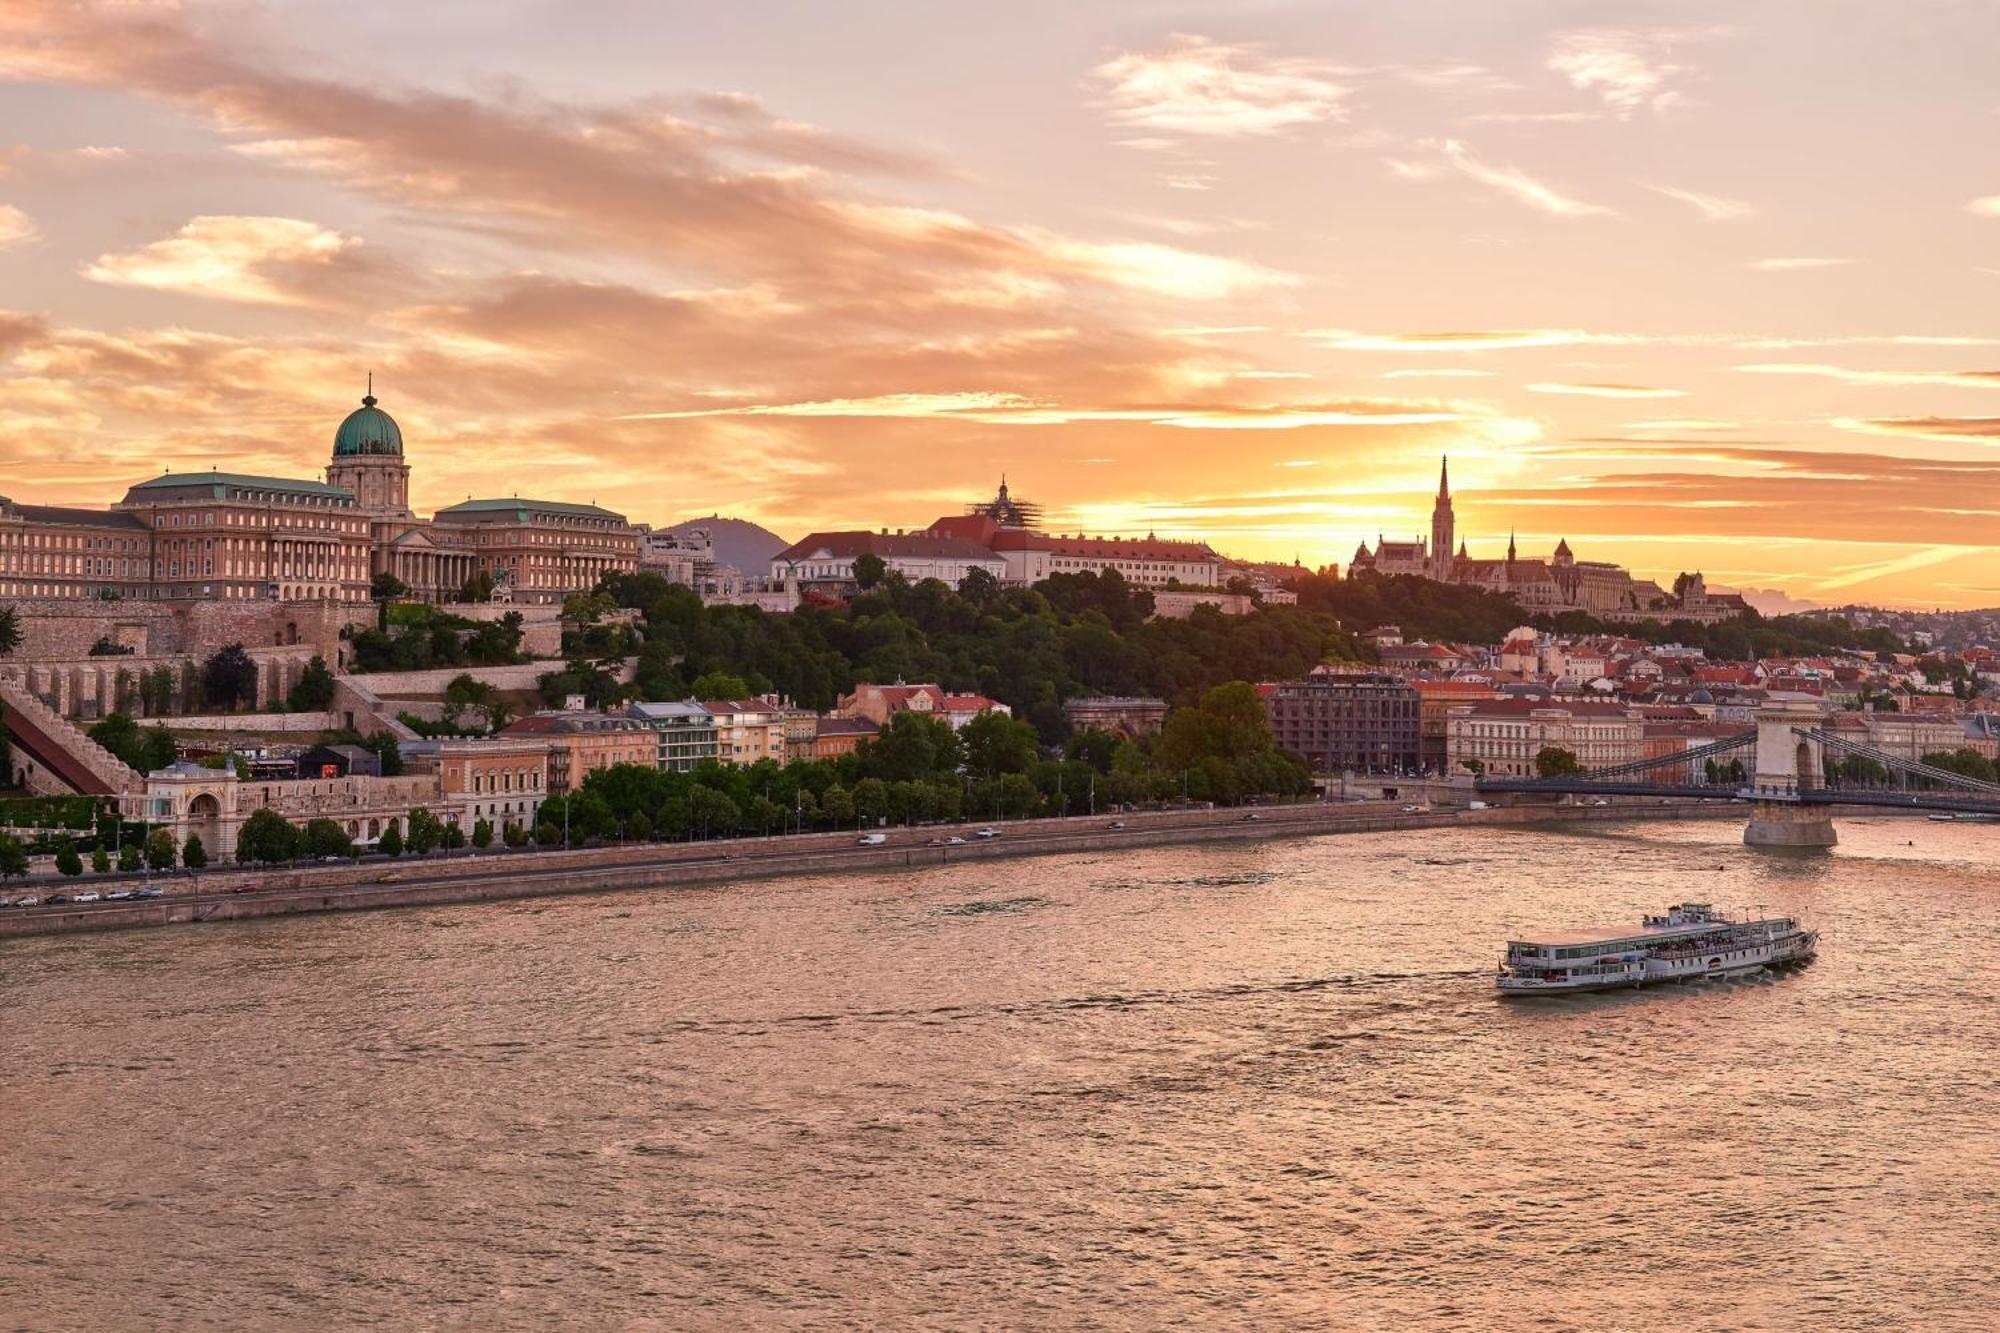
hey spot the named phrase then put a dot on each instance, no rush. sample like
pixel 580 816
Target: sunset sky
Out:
pixel 1694 285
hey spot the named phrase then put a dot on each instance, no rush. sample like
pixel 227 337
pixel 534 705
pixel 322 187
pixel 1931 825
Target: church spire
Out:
pixel 1510 543
pixel 1444 477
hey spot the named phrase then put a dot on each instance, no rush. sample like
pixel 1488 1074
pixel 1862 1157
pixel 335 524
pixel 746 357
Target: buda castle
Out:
pixel 229 536
pixel 1558 583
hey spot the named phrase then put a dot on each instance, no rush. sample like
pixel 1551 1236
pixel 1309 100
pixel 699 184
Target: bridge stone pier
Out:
pixel 1788 766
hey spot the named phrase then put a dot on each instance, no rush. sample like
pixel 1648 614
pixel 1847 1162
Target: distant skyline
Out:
pixel 1691 284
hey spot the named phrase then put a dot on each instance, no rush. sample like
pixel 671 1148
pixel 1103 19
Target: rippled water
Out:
pixel 1241 1086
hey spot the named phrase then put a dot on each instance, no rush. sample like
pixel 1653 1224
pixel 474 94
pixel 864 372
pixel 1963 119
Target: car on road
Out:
pixel 987 833
pixel 30 901
pixel 1252 817
pixel 871 840
pixel 1409 809
pixel 1116 825
pixel 246 888
pixel 7 902
pixel 1600 802
pixel 88 896
pixel 954 841
pixel 146 893
pixel 934 842
pixel 120 895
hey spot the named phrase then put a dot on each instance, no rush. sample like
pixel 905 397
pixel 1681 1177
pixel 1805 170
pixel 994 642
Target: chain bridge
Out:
pixel 1788 770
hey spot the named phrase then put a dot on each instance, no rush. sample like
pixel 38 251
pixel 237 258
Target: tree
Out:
pixel 266 838
pixel 426 831
pixel 13 857
pixel 129 858
pixel 314 691
pixel 719 685
pixel 516 835
pixel 100 861
pixel 869 570
pixel 193 855
pixel 161 852
pixel 1964 761
pixel 67 859
pixel 10 629
pixel 478 588
pixel 391 841
pixel 229 678
pixel 482 834
pixel 995 744
pixel 979 587
pixel 584 609
pixel 386 587
pixel 453 838
pixel 325 837
pixel 1552 761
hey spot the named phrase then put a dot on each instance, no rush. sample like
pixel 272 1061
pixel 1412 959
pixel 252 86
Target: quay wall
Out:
pixel 495 876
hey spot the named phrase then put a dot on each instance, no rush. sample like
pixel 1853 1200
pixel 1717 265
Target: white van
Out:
pixel 872 839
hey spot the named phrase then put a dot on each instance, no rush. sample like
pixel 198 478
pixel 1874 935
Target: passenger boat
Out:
pixel 1692 940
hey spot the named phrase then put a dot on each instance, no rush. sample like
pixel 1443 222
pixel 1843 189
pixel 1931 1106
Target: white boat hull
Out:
pixel 1728 961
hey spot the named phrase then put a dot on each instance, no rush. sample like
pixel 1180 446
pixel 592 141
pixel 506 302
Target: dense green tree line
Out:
pixel 1442 612
pixel 918 770
pixel 1029 648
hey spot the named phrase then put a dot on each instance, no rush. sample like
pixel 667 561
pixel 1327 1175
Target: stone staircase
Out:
pixel 62 751
pixel 357 706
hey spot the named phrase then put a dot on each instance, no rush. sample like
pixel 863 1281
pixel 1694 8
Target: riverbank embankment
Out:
pixel 241 893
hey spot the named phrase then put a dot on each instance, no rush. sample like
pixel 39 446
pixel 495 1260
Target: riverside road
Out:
pixel 235 893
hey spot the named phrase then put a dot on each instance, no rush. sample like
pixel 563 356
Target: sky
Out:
pixel 1692 285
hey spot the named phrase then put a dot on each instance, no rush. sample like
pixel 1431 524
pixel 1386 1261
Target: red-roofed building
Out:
pixel 879 703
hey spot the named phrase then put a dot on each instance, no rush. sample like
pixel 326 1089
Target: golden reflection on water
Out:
pixel 1241 1086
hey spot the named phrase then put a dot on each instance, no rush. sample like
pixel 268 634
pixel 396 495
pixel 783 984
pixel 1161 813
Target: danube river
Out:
pixel 1236 1086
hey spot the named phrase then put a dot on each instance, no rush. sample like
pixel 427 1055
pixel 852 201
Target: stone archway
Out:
pixel 204 821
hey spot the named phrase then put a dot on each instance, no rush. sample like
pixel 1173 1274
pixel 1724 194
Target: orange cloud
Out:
pixel 260 260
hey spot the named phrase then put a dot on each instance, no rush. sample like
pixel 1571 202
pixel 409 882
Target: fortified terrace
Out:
pixel 186 563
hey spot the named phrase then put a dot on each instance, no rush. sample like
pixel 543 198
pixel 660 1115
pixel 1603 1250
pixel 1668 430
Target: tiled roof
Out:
pixel 221 481
pixel 70 517
pixel 474 509
pixel 849 545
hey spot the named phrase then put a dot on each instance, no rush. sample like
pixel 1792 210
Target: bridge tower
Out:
pixel 1788 767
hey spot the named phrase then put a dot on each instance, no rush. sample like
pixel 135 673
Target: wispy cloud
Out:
pixel 1986 206
pixel 1202 87
pixel 1631 69
pixel 1790 264
pixel 1468 340
pixel 1713 207
pixel 1439 373
pixel 1514 182
pixel 1925 428
pixel 1607 390
pixel 1532 117
pixel 1004 409
pixel 259 260
pixel 1959 379
pixel 16 227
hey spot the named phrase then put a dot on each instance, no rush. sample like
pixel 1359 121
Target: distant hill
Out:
pixel 738 542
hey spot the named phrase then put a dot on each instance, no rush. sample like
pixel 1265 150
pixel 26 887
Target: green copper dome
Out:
pixel 367 430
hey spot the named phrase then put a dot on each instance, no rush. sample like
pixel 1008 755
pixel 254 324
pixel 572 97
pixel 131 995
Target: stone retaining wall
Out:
pixel 503 875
